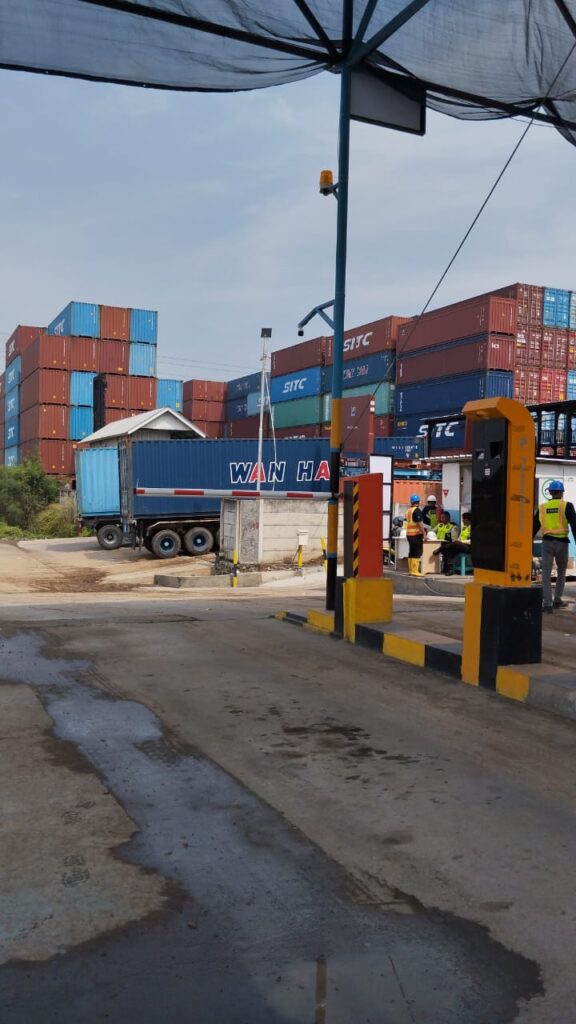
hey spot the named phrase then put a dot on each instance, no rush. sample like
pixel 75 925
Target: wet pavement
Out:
pixel 258 925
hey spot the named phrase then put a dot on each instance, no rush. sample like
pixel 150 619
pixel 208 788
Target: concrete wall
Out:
pixel 266 531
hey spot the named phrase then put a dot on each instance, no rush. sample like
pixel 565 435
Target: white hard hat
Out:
pixel 431 497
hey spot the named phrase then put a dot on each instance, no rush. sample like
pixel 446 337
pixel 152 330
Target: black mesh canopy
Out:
pixel 476 58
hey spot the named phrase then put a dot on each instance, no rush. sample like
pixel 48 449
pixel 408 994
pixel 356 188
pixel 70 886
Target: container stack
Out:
pixel 545 350
pixel 204 404
pixel 170 394
pixel 50 373
pixel 450 356
pixel 243 400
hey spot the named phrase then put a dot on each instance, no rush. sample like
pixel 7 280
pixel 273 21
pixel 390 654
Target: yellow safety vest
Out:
pixel 553 518
pixel 444 531
pixel 412 529
pixel 465 534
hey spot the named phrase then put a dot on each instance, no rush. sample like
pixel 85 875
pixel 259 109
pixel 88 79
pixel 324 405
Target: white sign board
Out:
pixel 383 464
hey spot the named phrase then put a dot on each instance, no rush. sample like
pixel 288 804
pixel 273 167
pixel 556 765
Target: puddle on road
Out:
pixel 272 931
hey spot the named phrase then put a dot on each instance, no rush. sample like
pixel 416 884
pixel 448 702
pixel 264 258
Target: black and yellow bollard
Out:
pixel 502 609
pixel 365 595
pixel 234 577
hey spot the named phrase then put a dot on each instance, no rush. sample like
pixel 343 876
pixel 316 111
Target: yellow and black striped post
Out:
pixel 234 577
pixel 351 528
pixel 355 529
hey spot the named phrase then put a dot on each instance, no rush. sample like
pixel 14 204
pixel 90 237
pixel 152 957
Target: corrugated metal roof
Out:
pixel 157 419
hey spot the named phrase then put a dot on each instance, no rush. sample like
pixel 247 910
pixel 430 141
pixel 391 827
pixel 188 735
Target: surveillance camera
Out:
pixel 300 332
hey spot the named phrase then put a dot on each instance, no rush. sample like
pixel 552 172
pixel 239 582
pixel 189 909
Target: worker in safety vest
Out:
pixel 431 512
pixel 452 545
pixel 555 517
pixel 415 533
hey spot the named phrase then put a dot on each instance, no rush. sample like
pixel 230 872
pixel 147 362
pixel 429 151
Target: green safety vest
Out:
pixel 553 518
pixel 433 517
pixel 465 534
pixel 444 531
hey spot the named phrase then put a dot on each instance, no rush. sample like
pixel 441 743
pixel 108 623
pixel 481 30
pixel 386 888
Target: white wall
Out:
pixel 266 531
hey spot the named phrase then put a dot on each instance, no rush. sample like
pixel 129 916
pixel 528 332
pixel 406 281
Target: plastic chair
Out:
pixel 463 564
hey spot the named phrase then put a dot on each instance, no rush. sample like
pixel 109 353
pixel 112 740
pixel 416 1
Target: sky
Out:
pixel 206 208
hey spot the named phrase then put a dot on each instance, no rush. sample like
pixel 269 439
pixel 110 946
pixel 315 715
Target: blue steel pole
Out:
pixel 338 355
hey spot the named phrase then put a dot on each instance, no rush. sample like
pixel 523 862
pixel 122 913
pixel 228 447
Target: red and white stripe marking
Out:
pixel 197 492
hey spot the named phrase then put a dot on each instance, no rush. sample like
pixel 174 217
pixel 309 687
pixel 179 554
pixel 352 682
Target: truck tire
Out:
pixel 166 544
pixel 217 538
pixel 198 541
pixel 109 537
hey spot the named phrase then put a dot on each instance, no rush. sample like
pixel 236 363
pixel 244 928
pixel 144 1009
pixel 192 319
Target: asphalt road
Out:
pixel 211 816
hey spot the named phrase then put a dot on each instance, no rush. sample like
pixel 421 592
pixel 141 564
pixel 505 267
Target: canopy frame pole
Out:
pixel 339 309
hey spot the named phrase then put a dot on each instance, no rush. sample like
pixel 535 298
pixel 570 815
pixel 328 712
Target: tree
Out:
pixel 24 491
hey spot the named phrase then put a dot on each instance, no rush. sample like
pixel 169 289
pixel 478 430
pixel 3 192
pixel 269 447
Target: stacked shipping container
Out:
pixel 204 404
pixel 51 375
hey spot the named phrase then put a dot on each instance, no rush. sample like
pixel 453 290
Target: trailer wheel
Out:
pixel 217 537
pixel 198 541
pixel 166 544
pixel 109 537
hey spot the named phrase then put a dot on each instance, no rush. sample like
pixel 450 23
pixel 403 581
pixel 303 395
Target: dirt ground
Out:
pixel 79 565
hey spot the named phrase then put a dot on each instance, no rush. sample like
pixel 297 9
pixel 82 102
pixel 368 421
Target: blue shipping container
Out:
pixel 448 434
pixel 81 319
pixel 242 386
pixel 400 447
pixel 169 395
pixel 556 307
pixel 81 422
pixel 571 385
pixel 142 360
pixel 301 465
pixel 572 316
pixel 12 432
pixel 12 404
pixel 12 456
pixel 237 409
pixel 82 387
pixel 97 482
pixel 368 370
pixel 253 403
pixel 144 326
pixel 13 374
pixel 302 384
pixel 449 393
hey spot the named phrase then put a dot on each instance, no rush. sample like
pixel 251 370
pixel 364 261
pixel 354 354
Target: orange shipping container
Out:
pixel 19 341
pixel 44 421
pixel 115 323
pixel 57 457
pixel 45 387
pixel 84 354
pixel 112 356
pixel 141 393
pixel 116 393
pixel 47 352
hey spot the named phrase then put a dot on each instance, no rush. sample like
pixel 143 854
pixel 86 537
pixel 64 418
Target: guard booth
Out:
pixel 502 609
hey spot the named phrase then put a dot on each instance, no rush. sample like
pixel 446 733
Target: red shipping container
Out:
pixel 57 457
pixel 45 421
pixel 358 425
pixel 527 386
pixel 248 427
pixel 377 336
pixel 116 393
pixel 204 390
pixel 521 348
pixel 492 352
pixel 216 412
pixel 552 386
pixel 47 352
pixel 19 341
pixel 310 430
pixel 571 360
pixel 383 426
pixel 212 430
pixel 534 346
pixel 141 393
pixel 483 315
pixel 83 354
pixel 115 323
pixel 112 356
pixel 114 415
pixel 297 357
pixel 529 300
pixel 45 387
pixel 198 409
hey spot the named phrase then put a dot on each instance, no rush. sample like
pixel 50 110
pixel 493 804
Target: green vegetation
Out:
pixel 29 504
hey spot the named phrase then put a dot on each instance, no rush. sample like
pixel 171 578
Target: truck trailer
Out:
pixel 165 495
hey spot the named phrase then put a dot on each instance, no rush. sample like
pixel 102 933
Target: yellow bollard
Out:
pixel 323 546
pixel 234 578
pixel 300 559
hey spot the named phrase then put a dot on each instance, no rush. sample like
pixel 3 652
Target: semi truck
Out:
pixel 165 495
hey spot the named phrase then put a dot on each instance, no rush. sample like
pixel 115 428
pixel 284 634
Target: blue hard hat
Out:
pixel 414 497
pixel 555 485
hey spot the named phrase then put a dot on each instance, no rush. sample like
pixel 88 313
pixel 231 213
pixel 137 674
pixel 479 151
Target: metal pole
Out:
pixel 266 333
pixel 338 355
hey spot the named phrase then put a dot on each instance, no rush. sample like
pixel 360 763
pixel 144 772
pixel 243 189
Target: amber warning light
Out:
pixel 326 182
